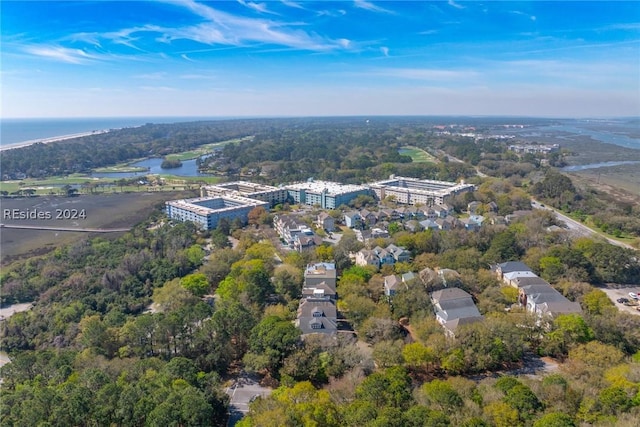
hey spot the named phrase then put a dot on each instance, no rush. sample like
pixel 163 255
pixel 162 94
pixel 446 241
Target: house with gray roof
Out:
pixel 320 272
pixel 508 267
pixel 392 284
pixel 509 278
pixel 326 221
pixel 353 219
pixel 545 301
pixel 454 306
pixel 317 316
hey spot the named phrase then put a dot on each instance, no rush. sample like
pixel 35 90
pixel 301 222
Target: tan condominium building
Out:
pixel 413 191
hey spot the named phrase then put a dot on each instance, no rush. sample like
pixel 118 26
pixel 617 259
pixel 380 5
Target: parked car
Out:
pixel 622 300
pixel 633 295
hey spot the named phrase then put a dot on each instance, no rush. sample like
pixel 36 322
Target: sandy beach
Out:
pixel 52 139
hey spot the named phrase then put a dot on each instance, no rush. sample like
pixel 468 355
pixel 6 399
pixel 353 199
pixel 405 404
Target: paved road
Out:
pixel 577 227
pixel 242 391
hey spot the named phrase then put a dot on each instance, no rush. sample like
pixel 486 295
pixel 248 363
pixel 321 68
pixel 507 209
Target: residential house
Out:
pixel 413 226
pixel 320 290
pixel 516 215
pixel 353 219
pixel 320 272
pixel 545 301
pixel 305 242
pixel 381 216
pixel 429 224
pixel 508 267
pixel 509 278
pixel 384 256
pixel 409 278
pixel 392 284
pixel 317 316
pixel 453 307
pixel 429 213
pixel 368 218
pixel 379 256
pixel 392 214
pixel 326 222
pixel 366 257
pixel 444 224
pixel 472 207
pixel 520 282
pixel 399 254
pixel 288 227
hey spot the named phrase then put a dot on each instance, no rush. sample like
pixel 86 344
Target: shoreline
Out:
pixel 24 144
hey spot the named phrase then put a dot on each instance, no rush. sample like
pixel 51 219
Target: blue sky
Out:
pixel 302 58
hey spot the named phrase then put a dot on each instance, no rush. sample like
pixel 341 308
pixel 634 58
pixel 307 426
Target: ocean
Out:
pixel 15 131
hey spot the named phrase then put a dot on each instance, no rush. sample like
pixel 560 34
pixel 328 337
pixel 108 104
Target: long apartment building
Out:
pixel 326 194
pixel 413 191
pixel 265 193
pixel 206 212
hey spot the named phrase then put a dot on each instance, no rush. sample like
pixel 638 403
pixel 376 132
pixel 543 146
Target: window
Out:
pixel 316 325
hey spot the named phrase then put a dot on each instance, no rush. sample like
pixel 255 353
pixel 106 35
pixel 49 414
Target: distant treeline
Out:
pixel 330 148
pixel 86 153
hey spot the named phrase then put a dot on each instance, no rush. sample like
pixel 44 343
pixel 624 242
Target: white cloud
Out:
pixel 292 4
pixel 62 54
pixel 339 12
pixel 384 50
pixel 363 4
pixel 258 7
pixel 456 5
pixel 228 29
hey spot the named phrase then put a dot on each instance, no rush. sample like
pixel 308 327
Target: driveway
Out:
pixel 241 391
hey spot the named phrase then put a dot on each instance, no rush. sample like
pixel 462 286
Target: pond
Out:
pixel 152 166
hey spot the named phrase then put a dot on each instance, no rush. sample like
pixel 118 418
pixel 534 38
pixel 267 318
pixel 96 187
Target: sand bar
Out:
pixel 52 139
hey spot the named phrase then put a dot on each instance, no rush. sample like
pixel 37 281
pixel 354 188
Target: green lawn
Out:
pixel 417 155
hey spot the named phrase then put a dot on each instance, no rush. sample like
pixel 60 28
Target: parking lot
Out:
pixel 623 292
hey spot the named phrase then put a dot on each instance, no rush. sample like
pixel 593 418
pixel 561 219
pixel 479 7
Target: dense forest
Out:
pixel 147 329
pixel 120 333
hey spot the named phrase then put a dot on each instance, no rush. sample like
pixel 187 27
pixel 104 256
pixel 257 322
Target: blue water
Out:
pixel 602 136
pixel 188 168
pixel 14 131
pixel 598 165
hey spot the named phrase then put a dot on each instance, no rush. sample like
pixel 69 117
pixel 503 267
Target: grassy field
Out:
pixel 617 180
pixel 87 184
pixel 100 211
pixel 417 155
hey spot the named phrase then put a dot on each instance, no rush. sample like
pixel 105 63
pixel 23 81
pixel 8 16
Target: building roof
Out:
pixel 510 266
pixel 452 325
pixel 331 188
pixel 324 320
pixel 392 282
pixel 515 274
pixel 328 289
pixel 448 294
pixel 528 280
